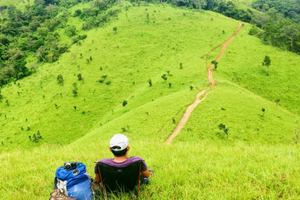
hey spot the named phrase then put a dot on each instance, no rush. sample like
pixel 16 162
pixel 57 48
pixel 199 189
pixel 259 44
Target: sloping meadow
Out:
pixel 199 164
pixel 110 74
pixel 242 64
pixel 247 116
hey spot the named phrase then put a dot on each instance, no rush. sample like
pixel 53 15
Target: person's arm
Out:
pixel 146 173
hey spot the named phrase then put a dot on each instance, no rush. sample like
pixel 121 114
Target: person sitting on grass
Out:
pixel 119 147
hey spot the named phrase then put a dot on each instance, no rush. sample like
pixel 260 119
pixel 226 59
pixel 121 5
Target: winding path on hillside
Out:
pixel 191 107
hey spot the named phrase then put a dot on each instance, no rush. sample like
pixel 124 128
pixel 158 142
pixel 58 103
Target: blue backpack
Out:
pixel 74 181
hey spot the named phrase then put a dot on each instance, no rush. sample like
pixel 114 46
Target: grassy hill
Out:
pixel 258 160
pixel 241 111
pixel 242 64
pixel 128 59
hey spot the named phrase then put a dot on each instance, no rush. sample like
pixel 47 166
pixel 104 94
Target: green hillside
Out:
pixel 138 51
pixel 258 160
pixel 242 64
pixel 241 111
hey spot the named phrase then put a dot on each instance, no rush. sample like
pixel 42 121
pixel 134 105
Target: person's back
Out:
pixel 119 146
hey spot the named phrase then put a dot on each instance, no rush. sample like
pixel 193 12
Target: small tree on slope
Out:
pixel 215 64
pixel 267 63
pixel 223 127
pixel 60 79
pixel 263 110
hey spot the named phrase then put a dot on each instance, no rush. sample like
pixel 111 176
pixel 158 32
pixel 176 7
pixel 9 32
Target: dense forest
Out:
pixel 280 22
pixel 32 32
pixel 289 8
pixel 227 8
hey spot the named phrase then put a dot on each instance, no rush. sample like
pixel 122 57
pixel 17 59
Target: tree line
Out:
pixel 227 8
pixel 288 8
pixel 280 22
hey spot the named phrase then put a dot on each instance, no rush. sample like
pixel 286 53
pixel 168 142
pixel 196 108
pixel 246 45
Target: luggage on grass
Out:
pixel 74 181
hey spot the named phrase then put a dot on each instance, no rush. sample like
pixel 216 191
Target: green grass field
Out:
pixel 259 160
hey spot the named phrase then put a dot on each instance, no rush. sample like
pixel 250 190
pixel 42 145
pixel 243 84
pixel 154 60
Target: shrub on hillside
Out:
pixel 74 91
pixel 254 31
pixel 164 76
pixel 150 82
pixel 223 128
pixel 36 138
pixel 102 79
pixel 215 63
pixel 77 13
pixel 263 110
pixel 70 30
pixel 60 79
pixel 79 76
pixel 77 38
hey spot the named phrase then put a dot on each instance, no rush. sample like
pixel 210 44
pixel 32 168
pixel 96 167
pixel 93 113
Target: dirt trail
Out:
pixel 209 70
pixel 191 107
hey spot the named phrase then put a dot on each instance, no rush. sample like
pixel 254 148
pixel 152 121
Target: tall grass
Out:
pixel 188 170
